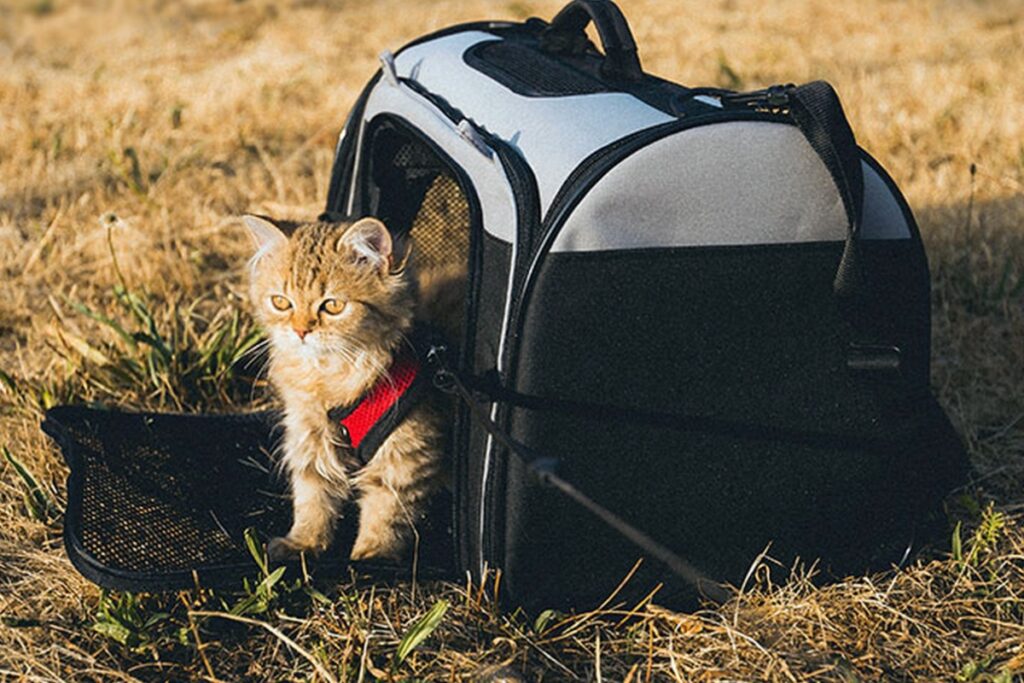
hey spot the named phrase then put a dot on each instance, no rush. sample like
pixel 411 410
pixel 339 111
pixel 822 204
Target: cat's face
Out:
pixel 330 288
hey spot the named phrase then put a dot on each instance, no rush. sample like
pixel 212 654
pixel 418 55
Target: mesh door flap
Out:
pixel 155 500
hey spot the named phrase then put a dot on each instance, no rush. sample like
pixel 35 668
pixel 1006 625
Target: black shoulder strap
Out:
pixel 814 108
pixel 816 111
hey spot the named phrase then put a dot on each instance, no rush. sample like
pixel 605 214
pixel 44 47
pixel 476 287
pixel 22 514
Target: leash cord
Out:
pixel 543 467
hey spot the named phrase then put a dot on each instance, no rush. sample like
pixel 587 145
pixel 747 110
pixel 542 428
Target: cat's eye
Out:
pixel 280 303
pixel 332 306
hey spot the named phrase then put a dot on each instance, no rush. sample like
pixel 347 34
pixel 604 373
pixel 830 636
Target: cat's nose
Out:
pixel 301 331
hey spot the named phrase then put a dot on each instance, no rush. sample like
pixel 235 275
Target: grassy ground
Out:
pixel 144 129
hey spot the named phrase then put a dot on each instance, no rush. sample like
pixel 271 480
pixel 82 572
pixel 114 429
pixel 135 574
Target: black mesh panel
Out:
pixel 156 501
pixel 529 71
pixel 416 193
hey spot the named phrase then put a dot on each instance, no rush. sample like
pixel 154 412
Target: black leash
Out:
pixel 494 391
pixel 543 467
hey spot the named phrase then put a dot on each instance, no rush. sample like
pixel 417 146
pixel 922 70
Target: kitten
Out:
pixel 337 305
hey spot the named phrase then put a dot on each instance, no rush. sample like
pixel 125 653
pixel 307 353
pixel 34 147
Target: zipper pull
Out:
pixel 777 96
pixel 774 98
pixel 470 134
pixel 387 66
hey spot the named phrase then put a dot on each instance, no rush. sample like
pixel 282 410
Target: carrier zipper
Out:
pixel 774 99
pixel 527 199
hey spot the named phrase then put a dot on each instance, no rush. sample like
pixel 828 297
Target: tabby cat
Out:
pixel 337 303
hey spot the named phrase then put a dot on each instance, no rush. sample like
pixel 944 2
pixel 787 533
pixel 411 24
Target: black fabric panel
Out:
pixel 719 331
pixel 492 277
pixel 751 334
pixel 716 501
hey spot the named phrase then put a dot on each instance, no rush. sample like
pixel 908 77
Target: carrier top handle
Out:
pixel 566 33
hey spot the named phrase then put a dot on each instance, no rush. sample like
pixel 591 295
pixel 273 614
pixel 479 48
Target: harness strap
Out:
pixel 371 419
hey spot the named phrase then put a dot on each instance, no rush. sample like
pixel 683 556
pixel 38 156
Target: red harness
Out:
pixel 373 417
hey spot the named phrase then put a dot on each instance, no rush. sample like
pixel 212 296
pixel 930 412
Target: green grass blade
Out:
pixel 155 342
pixel 419 631
pixel 267 585
pixel 83 348
pixel 104 320
pixel 248 342
pixel 8 383
pixel 543 619
pixel 252 542
pixel 212 350
pixel 316 595
pixel 957 544
pixel 114 631
pixel 36 499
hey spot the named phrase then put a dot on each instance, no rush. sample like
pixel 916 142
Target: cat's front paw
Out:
pixel 283 549
pixel 378 546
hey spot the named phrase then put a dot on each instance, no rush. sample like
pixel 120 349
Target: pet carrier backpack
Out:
pixel 696 320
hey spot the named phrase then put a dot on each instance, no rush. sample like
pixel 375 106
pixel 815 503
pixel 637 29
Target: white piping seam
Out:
pixel 355 167
pixel 488 451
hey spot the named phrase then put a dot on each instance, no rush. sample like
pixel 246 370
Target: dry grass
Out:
pixel 154 124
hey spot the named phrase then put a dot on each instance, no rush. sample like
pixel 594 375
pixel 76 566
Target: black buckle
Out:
pixel 874 358
pixel 443 378
pixel 778 96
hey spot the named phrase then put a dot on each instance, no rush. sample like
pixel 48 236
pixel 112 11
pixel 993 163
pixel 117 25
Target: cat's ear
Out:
pixel 265 235
pixel 368 241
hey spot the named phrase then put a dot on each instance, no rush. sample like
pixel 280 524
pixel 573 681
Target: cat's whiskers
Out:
pixel 260 352
pixel 380 371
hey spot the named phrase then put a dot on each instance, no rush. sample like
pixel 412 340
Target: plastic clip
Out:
pixel 778 96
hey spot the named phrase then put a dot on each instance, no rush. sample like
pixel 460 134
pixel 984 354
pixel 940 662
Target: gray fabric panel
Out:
pixel 497 203
pixel 553 133
pixel 883 218
pixel 735 183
